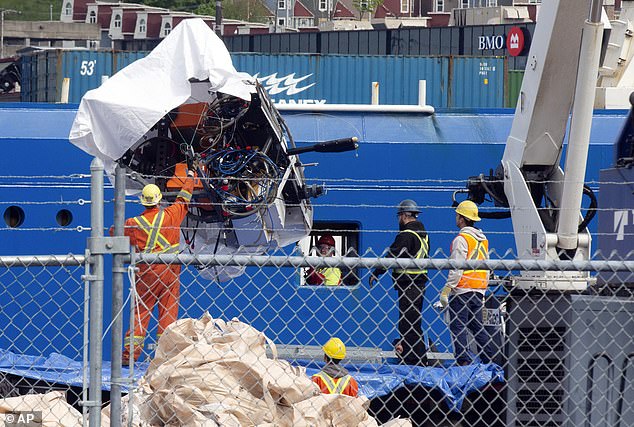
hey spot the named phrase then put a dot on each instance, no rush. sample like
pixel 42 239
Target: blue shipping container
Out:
pixel 334 79
pixel 44 71
pixel 461 82
pixel 477 82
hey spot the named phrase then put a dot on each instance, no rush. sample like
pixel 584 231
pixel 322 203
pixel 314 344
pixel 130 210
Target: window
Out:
pixel 464 4
pixel 167 28
pixel 323 5
pixel 440 5
pixel 304 22
pixel 68 9
pixel 92 17
pixel 363 4
pixel 492 3
pixel 281 22
pixel 281 4
pixel 142 26
pixel 346 239
pixel 117 21
pixel 404 6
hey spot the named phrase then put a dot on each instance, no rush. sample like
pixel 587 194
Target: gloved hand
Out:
pixel 444 296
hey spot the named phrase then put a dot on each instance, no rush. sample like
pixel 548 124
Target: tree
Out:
pixel 185 5
pixel 364 6
pixel 244 10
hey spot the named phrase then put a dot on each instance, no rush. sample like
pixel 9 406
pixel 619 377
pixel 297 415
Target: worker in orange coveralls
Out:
pixel 335 379
pixel 156 230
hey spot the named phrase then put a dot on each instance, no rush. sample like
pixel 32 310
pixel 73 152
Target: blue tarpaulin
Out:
pixel 454 382
pixel 374 380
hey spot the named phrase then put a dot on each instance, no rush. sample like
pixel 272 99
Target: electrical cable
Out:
pixel 592 209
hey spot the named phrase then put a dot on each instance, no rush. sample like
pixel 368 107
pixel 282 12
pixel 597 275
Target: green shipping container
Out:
pixel 513 86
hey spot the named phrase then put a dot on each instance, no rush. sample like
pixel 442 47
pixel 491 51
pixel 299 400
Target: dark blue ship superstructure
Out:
pixel 422 157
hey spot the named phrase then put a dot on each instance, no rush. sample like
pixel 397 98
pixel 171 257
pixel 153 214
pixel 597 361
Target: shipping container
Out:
pixel 425 41
pixel 476 40
pixel 477 82
pixel 123 59
pixel 491 40
pixel 44 70
pixel 513 85
pixel 334 79
pixel 471 82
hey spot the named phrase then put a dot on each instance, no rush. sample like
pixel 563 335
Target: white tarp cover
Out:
pixel 113 117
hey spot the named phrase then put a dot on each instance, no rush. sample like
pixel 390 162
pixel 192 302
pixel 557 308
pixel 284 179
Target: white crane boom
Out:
pixel 559 84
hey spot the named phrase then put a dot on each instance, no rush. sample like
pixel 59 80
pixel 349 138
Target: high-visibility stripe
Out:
pixel 184 194
pixel 334 385
pixel 476 250
pixel 422 253
pixel 342 383
pixel 136 339
pixel 155 237
pixel 143 223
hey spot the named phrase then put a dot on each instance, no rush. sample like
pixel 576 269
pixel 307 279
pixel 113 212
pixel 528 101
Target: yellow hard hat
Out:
pixel 469 210
pixel 151 195
pixel 335 349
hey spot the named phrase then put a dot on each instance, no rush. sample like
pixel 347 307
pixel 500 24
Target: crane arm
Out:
pixel 544 201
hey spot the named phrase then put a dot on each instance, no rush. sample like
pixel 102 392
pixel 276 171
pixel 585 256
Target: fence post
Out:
pixel 118 271
pixel 96 292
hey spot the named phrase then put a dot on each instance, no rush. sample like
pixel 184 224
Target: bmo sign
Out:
pixel 513 41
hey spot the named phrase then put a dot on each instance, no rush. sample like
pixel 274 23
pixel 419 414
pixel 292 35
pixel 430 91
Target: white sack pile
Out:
pixel 50 410
pixel 209 372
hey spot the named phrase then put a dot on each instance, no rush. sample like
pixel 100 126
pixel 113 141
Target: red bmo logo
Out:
pixel 515 41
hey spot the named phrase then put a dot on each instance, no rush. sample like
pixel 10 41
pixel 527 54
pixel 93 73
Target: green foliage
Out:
pixel 366 6
pixel 184 5
pixel 32 10
pixel 245 10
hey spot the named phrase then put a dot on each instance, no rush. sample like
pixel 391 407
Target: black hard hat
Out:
pixel 408 205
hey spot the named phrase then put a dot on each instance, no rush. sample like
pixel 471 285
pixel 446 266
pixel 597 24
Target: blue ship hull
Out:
pixel 424 158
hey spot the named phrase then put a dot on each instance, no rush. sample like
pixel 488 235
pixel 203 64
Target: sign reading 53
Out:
pixel 87 68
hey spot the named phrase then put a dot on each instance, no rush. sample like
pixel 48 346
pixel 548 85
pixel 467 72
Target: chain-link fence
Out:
pixel 253 336
pixel 563 358
pixel 44 339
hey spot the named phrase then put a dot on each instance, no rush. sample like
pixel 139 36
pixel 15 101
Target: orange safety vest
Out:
pixel 336 385
pixel 157 230
pixel 477 250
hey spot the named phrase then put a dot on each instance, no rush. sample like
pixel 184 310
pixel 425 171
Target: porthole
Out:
pixel 64 217
pixel 14 216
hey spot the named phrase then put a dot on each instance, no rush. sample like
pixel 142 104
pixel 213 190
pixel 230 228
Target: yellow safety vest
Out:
pixel 422 253
pixel 332 276
pixel 334 385
pixel 155 238
pixel 477 250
